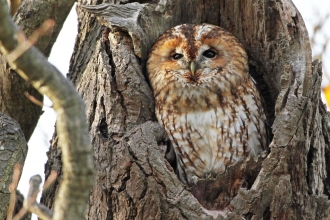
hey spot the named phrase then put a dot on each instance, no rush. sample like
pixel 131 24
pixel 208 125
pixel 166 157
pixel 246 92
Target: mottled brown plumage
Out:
pixel 206 99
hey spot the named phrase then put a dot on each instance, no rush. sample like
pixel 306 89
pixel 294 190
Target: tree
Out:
pixel 31 65
pixel 133 180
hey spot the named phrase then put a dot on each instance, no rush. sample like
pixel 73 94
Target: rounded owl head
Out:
pixel 197 55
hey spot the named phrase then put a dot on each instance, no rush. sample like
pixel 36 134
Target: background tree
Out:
pixel 13 102
pixel 133 179
pixel 32 66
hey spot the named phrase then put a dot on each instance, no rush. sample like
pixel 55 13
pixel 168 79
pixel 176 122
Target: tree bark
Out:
pixel 13 150
pixel 134 180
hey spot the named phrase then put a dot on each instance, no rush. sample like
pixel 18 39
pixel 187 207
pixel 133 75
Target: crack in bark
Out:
pixel 137 159
pixel 102 125
pixel 108 51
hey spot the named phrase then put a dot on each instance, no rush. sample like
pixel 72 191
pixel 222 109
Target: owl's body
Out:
pixel 205 99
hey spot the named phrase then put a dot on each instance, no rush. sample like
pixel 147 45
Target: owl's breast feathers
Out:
pixel 210 130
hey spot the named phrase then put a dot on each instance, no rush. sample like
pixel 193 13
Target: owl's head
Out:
pixel 194 55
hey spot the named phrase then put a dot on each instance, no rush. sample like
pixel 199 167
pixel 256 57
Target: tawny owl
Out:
pixel 206 99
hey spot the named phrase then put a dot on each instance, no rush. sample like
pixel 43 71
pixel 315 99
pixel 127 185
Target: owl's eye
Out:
pixel 209 54
pixel 177 56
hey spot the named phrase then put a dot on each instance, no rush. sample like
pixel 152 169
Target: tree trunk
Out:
pixel 134 180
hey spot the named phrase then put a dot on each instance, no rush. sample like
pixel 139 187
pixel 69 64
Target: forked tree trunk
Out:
pixel 134 180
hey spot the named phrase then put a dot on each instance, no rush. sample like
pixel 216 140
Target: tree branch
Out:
pixel 71 202
pixel 30 16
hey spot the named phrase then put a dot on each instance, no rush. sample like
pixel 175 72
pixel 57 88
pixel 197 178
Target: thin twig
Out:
pixel 33 99
pixel 30 203
pixel 41 211
pixel 14 6
pixel 24 45
pixel 51 178
pixel 12 188
pixel 35 182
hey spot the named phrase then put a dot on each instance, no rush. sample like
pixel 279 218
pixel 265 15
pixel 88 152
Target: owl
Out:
pixel 205 99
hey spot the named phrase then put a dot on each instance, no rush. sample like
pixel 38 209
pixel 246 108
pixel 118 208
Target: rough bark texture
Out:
pixel 13 150
pixel 133 180
pixel 31 14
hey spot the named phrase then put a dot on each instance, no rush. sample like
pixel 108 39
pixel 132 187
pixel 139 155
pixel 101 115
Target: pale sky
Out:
pixel 39 142
pixel 312 12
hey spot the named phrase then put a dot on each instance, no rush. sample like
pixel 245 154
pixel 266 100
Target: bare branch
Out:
pixel 41 211
pixel 30 203
pixel 31 198
pixel 13 6
pixel 29 17
pixel 51 178
pixel 12 188
pixel 71 202
pixel 24 44
pixel 33 99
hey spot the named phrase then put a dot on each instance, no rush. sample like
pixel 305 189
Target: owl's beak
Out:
pixel 192 68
